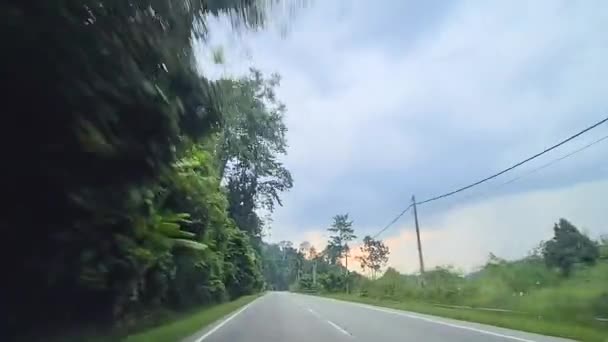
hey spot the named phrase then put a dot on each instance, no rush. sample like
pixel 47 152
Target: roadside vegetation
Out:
pixel 559 289
pixel 190 324
pixel 133 190
pixel 502 319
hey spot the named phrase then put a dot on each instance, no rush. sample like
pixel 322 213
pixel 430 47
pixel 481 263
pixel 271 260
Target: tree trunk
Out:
pixel 346 263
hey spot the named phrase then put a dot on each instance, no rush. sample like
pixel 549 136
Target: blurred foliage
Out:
pixel 603 247
pixel 568 247
pixel 281 265
pixel 116 205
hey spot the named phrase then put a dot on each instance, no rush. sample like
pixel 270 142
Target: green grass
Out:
pixel 595 332
pixel 580 297
pixel 186 326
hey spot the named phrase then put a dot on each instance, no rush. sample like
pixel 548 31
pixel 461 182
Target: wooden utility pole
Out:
pixel 314 272
pixel 347 275
pixel 418 239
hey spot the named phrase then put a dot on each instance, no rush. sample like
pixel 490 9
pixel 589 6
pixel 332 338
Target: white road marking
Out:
pixel 481 331
pixel 222 323
pixel 487 332
pixel 313 312
pixel 338 328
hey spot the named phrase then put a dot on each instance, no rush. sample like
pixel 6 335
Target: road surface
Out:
pixel 289 317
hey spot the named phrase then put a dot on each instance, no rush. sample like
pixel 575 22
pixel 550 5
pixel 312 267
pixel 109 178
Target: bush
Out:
pixel 525 285
pixel 600 306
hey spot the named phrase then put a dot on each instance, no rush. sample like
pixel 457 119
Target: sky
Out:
pixel 398 98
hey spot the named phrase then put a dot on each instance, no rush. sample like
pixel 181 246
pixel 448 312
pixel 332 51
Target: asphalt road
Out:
pixel 282 316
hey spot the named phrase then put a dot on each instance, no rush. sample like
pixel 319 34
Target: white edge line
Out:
pixel 222 323
pixel 396 312
pixel 338 327
pixel 471 329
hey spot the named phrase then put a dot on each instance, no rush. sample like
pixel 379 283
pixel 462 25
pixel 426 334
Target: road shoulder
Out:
pixel 491 321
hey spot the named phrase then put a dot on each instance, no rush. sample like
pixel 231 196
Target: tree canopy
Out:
pixel 343 233
pixel 374 255
pixel 568 247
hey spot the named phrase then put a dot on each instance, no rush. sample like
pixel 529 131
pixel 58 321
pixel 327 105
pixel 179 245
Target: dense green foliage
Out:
pixel 569 247
pixel 327 270
pixel 529 286
pixel 116 191
pixel 501 292
pixel 181 327
pixel 603 247
pixel 280 265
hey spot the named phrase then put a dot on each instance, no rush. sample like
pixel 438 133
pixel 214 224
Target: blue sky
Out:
pixel 403 98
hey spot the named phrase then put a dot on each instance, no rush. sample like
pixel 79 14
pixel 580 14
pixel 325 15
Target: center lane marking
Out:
pixel 431 320
pixel 337 327
pixel 314 312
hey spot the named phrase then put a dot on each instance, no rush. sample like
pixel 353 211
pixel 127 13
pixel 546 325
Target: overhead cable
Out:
pixel 394 220
pixel 514 166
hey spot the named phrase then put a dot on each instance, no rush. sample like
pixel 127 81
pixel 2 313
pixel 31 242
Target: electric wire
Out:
pixel 394 220
pixel 515 165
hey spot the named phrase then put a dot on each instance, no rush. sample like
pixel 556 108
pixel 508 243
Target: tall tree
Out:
pixel 312 253
pixel 374 255
pixel 343 233
pixel 304 247
pixel 286 246
pixel 568 247
pixel 252 140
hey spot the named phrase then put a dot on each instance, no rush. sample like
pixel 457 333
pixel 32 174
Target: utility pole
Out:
pixel 299 272
pixel 347 275
pixel 418 239
pixel 314 272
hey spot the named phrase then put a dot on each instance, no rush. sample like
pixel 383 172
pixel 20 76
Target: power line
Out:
pixel 544 166
pixel 514 166
pixel 392 222
pixel 555 161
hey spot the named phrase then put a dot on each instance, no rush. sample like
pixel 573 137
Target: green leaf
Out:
pixel 189 244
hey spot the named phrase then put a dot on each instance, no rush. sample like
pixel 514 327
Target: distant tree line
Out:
pixel 304 268
pixel 561 279
pixel 567 251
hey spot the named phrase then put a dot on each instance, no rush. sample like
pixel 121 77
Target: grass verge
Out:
pixel 186 326
pixel 592 332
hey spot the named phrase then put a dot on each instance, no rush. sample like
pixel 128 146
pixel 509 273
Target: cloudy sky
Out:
pixel 394 98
